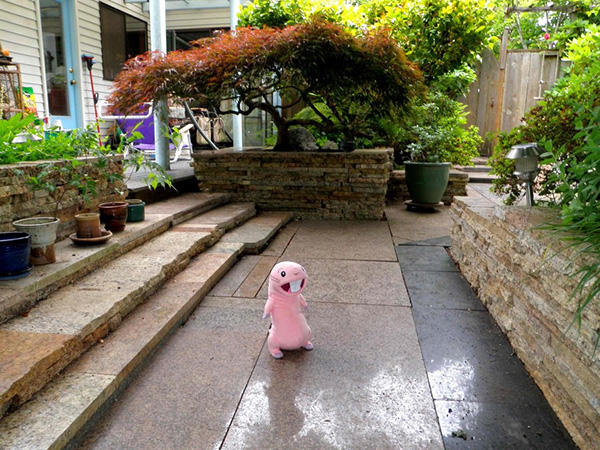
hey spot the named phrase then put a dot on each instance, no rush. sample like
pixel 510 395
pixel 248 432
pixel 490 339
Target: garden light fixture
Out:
pixel 525 157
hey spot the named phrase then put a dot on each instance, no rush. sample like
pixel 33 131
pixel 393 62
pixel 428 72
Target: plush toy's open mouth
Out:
pixel 293 286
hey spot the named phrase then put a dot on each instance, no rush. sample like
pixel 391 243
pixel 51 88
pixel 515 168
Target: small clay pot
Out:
pixel 113 215
pixel 88 225
pixel 135 210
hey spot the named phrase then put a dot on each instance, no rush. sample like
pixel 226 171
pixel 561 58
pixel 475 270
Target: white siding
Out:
pixel 18 35
pixel 192 19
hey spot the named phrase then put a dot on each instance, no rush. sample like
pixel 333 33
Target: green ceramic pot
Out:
pixel 135 210
pixel 426 182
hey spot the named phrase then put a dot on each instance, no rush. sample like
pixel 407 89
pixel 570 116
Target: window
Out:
pixel 180 39
pixel 123 37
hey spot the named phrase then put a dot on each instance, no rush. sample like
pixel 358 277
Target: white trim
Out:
pixel 40 36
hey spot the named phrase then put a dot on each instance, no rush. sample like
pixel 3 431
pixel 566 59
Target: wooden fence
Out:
pixel 507 88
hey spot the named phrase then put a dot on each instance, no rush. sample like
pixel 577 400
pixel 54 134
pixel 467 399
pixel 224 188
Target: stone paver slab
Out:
pixel 498 425
pixel 468 358
pixel 282 240
pixel 199 375
pixel 359 282
pixel 24 360
pixel 257 231
pixel 357 240
pixel 256 278
pixel 445 290
pixel 235 277
pixel 364 386
pixel 51 418
pixel 425 258
pixel 407 226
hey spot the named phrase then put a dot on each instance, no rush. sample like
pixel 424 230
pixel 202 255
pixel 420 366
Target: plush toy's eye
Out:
pixel 282 273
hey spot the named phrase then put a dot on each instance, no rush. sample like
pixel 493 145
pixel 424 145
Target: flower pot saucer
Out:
pixel 423 207
pixel 106 235
pixel 15 275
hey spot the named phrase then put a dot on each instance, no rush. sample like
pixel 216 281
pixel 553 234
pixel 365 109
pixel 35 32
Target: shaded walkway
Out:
pixel 391 368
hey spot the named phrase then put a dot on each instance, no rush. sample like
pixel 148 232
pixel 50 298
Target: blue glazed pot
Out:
pixel 15 247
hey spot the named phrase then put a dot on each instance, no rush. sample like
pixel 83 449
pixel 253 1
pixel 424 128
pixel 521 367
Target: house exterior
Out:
pixel 47 38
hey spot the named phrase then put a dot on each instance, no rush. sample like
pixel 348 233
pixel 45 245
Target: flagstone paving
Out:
pixel 405 357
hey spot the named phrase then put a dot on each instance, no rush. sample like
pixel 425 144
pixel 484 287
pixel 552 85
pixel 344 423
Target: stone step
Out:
pixel 38 345
pixel 74 262
pixel 63 408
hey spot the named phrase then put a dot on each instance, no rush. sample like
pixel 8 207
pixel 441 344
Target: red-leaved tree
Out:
pixel 317 63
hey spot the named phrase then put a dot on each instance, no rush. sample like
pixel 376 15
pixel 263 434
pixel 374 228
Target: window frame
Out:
pixel 106 74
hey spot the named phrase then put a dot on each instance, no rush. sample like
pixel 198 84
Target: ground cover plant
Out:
pixel 317 63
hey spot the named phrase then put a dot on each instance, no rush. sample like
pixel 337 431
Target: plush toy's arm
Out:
pixel 268 308
pixel 303 302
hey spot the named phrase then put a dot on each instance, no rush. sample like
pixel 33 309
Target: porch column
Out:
pixel 158 36
pixel 238 131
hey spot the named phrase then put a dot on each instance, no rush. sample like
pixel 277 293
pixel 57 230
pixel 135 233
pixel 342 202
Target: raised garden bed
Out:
pixel 18 201
pixel 315 185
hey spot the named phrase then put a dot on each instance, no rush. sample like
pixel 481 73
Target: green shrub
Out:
pixel 434 132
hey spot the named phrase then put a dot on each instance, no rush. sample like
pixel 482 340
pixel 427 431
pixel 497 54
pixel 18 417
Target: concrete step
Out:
pixel 54 416
pixel 74 262
pixel 38 345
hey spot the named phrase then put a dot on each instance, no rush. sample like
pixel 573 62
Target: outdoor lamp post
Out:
pixel 525 157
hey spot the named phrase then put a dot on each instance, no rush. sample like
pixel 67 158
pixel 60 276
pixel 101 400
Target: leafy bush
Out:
pixel 316 63
pixel 434 132
pixel 556 120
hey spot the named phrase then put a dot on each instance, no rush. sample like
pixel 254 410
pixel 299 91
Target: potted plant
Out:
pixel 433 138
pixel 59 179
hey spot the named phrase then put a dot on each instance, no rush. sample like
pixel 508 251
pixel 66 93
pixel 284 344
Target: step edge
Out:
pixel 123 378
pixel 208 241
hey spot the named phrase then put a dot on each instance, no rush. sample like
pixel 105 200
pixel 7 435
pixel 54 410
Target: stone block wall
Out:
pixel 316 185
pixel 398 192
pixel 527 287
pixel 19 201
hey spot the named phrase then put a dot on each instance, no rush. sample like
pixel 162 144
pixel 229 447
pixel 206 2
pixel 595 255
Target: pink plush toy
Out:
pixel 289 330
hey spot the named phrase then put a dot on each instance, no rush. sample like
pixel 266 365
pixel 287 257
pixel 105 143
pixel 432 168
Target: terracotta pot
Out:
pixel 43 234
pixel 113 215
pixel 88 225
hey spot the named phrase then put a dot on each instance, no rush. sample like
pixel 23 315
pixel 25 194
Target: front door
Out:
pixel 63 67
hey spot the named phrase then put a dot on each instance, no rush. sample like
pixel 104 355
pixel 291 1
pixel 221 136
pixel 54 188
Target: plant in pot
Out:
pixel 433 137
pixel 60 180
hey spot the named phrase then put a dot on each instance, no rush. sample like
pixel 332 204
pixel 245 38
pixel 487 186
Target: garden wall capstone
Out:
pixel 310 185
pixel 398 192
pixel 526 287
pixel 18 201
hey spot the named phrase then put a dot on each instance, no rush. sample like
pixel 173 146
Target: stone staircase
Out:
pixel 86 324
pixel 480 172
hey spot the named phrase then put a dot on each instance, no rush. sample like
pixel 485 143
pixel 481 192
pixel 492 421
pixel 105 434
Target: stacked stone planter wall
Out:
pixel 323 185
pixel 398 192
pixel 526 287
pixel 18 201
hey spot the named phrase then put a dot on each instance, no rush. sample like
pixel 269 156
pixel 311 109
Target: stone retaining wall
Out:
pixel 527 290
pixel 322 185
pixel 18 201
pixel 398 192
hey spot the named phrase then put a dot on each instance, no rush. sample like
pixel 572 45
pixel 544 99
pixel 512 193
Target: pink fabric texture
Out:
pixel 289 329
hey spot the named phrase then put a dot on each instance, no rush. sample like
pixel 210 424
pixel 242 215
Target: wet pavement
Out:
pixel 405 356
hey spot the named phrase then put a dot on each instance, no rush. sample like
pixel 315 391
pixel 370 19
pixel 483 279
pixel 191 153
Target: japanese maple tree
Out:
pixel 342 78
